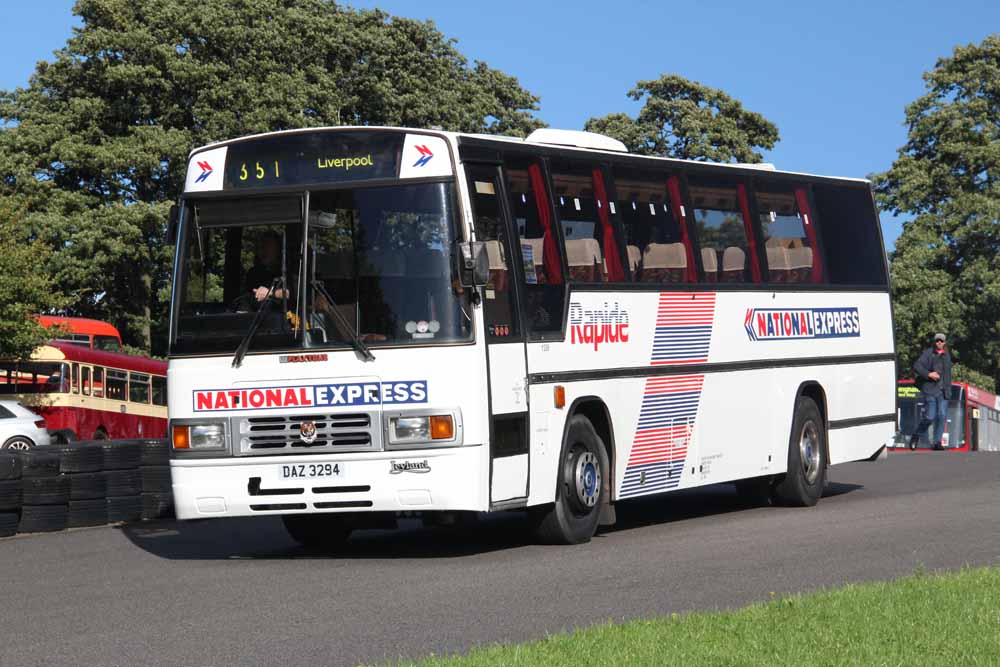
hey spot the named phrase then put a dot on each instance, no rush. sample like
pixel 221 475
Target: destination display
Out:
pixel 312 158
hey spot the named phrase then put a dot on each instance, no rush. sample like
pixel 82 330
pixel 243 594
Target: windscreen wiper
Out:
pixel 356 341
pixel 241 351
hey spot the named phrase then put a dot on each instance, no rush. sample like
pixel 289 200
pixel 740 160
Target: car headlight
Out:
pixel 421 430
pixel 199 436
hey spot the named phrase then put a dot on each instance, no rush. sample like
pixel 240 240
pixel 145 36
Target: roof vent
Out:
pixel 576 138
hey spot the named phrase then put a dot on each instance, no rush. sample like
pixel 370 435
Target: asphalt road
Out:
pixel 239 591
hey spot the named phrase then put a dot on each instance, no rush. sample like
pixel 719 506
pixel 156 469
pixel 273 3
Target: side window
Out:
pixel 499 310
pixel 159 390
pixel 789 235
pixel 849 231
pixel 581 202
pixel 724 231
pixel 657 245
pixel 138 387
pixel 85 380
pixel 75 378
pixel 98 382
pixel 116 384
pixel 538 245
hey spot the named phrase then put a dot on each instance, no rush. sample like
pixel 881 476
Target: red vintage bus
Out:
pixel 90 394
pixel 94 334
pixel 973 418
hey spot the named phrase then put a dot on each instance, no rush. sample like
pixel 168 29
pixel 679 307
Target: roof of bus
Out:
pixel 56 351
pixel 975 394
pixel 497 138
pixel 80 325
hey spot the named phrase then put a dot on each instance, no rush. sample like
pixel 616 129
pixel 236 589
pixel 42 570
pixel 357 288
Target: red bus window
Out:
pixel 116 385
pixel 85 380
pixel 76 378
pixel 159 390
pixel 138 387
pixel 98 382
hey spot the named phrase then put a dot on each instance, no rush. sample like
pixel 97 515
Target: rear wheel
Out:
pixel 100 434
pixel 18 443
pixel 802 485
pixel 581 488
pixel 317 531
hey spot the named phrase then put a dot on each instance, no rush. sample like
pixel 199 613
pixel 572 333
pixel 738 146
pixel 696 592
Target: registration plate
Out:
pixel 311 470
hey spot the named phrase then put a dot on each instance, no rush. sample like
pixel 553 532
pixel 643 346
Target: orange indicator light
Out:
pixel 442 427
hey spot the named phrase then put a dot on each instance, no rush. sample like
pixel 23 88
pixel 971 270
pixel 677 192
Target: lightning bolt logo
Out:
pixel 206 171
pixel 425 156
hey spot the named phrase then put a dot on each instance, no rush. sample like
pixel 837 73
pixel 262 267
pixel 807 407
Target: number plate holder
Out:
pixel 293 471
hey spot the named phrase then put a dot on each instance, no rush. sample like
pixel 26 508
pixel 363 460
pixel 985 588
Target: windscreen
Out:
pixel 375 263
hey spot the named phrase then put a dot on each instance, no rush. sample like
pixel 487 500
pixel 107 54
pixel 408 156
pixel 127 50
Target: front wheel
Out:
pixel 802 484
pixel 582 488
pixel 317 531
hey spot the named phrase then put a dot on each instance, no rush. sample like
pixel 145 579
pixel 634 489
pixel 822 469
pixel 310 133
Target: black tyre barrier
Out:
pixel 157 506
pixel 87 513
pixel 43 518
pixel 123 482
pixel 124 508
pixel 38 463
pixel 10 466
pixel 45 490
pixel 80 457
pixel 155 479
pixel 8 523
pixel 155 453
pixel 122 454
pixel 88 486
pixel 10 495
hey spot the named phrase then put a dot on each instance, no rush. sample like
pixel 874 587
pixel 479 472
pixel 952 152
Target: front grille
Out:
pixel 348 432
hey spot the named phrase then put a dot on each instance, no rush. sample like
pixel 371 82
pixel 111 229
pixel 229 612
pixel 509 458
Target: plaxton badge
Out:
pixel 311 396
pixel 801 323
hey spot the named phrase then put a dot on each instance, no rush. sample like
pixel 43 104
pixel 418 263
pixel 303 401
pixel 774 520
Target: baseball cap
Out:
pixel 940 336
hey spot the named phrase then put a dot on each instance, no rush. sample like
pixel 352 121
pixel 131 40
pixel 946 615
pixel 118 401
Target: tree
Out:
pixel 685 119
pixel 25 290
pixel 946 264
pixel 98 140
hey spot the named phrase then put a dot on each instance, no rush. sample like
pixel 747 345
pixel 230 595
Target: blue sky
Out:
pixel 833 78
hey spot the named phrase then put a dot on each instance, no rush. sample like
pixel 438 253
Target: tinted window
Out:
pixel 850 235
pixel 159 390
pixel 789 235
pixel 499 311
pixel 5 413
pixel 76 378
pixel 98 382
pixel 116 384
pixel 138 387
pixel 581 204
pixel 107 343
pixel 538 245
pixel 85 380
pixel 719 217
pixel 34 377
pixel 654 236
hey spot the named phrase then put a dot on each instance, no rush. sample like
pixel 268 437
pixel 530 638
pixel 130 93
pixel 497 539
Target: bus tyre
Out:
pixel 802 485
pixel 43 518
pixel 10 466
pixel 8 523
pixel 581 488
pixel 80 457
pixel 317 531
pixel 63 436
pixel 10 495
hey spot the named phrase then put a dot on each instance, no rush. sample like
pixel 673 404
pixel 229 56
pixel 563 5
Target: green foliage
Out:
pixel 25 288
pixel 961 373
pixel 685 119
pixel 946 265
pixel 99 138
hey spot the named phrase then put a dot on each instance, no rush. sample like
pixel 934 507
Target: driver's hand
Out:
pixel 934 375
pixel 260 293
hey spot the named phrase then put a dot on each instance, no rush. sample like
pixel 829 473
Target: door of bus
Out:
pixel 505 346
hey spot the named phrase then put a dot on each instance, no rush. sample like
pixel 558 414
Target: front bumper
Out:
pixel 451 479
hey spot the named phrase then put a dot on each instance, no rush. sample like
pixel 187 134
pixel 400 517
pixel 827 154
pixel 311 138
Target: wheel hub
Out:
pixel 809 451
pixel 588 479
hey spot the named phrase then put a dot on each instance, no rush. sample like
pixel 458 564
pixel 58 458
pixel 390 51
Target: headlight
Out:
pixel 199 436
pixel 421 429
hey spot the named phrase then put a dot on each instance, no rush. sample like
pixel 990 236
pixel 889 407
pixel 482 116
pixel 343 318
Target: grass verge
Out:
pixel 942 619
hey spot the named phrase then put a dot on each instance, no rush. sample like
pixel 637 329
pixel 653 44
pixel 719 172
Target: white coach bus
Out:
pixel 372 321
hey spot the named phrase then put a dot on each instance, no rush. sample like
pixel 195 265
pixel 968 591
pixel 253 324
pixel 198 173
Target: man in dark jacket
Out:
pixel 933 370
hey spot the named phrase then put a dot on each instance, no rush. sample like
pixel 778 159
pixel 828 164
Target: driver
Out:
pixel 267 267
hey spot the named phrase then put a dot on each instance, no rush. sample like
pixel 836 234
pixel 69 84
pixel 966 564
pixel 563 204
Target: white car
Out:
pixel 20 428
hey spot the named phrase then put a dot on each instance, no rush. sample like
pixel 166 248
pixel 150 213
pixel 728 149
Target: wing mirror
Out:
pixel 473 264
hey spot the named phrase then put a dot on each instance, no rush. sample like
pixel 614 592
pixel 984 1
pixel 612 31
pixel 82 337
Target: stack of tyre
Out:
pixel 157 492
pixel 10 493
pixel 122 459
